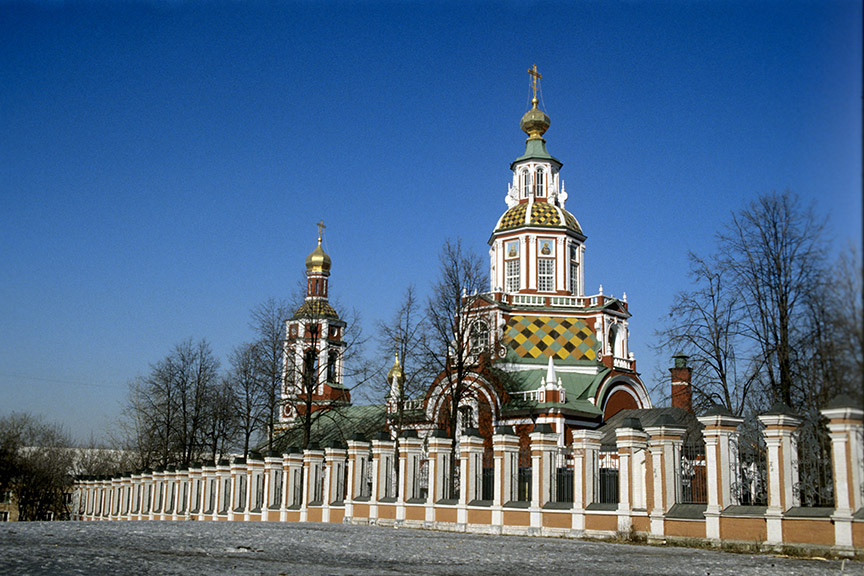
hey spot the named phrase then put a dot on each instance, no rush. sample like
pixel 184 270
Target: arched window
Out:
pixel 613 331
pixel 525 183
pixel 539 188
pixel 479 340
pixel 331 366
pixel 574 271
pixel 310 370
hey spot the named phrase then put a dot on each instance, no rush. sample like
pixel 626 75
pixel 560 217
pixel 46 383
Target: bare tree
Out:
pixel 95 458
pixel 37 463
pixel 196 371
pixel 451 350
pixel 249 396
pixel 832 363
pixel 845 301
pixel 222 421
pixel 768 318
pixel 169 408
pixel 268 322
pixel 404 337
pixel 774 252
pixel 706 323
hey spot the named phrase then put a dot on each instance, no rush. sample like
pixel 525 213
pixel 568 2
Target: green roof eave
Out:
pixel 536 150
pixel 339 423
pixel 590 391
pixel 578 387
pixel 581 408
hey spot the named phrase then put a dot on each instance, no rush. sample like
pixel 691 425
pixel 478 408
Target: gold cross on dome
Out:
pixel 321 227
pixel 536 76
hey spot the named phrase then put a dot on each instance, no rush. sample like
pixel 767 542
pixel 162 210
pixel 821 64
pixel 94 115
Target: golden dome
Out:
pixel 535 122
pixel 318 260
pixel 396 370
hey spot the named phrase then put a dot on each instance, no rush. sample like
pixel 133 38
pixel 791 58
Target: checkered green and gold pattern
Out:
pixel 560 338
pixel 571 221
pixel 315 309
pixel 514 217
pixel 544 214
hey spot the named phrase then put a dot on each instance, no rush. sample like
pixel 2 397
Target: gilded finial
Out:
pixel 535 76
pixel 535 122
pixel 321 227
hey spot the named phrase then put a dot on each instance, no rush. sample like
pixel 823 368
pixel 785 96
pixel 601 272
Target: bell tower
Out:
pixel 314 348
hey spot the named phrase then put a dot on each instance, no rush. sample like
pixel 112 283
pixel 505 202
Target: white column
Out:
pixel 845 424
pixel 410 452
pixel 586 445
pixel 560 264
pixel 720 431
pixel 544 443
pixel 664 445
pixel 470 458
pixel 506 450
pixel 294 473
pixel 780 424
pixel 631 442
pixel 358 453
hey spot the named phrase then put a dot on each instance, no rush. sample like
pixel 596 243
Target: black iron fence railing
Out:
pixel 692 475
pixel 606 479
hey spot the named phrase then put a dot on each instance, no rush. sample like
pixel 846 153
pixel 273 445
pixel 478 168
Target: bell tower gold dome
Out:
pixel 318 260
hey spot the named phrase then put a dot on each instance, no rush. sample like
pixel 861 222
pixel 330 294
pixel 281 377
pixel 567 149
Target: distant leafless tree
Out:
pixel 171 407
pixel 406 335
pixel 250 393
pixel 36 465
pixel 774 252
pixel 221 434
pixel 268 323
pixel 104 459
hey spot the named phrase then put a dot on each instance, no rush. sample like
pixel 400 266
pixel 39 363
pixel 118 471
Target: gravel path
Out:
pixel 140 548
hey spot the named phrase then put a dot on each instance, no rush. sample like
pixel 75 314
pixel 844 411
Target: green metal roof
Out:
pixel 536 150
pixel 338 424
pixel 578 389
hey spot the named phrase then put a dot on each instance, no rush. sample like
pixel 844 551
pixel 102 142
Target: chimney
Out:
pixel 682 393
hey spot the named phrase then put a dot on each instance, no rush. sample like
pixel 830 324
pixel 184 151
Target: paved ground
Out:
pixel 60 548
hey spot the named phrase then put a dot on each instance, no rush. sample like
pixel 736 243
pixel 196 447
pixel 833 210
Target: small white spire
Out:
pixel 550 373
pixel 625 297
pixel 601 289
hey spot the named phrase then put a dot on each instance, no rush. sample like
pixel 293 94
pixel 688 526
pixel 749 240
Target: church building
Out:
pixel 541 351
pixel 545 352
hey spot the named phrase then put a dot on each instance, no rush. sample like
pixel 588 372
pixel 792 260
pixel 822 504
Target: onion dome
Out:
pixel 396 371
pixel 542 214
pixel 318 260
pixel 535 122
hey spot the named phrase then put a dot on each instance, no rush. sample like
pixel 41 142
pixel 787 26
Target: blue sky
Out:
pixel 163 164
